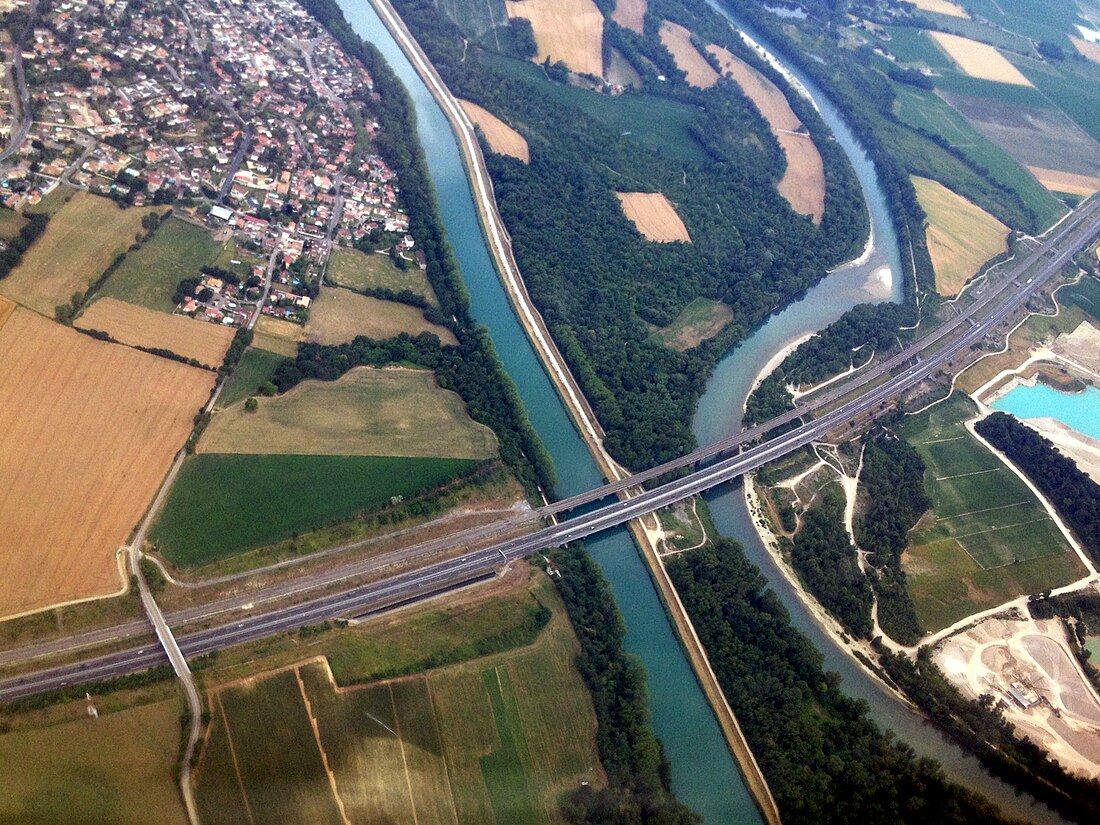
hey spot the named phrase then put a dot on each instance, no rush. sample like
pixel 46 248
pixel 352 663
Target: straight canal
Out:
pixel 704 774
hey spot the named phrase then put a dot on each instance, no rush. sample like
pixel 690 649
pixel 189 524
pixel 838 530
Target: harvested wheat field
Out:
pixel 7 307
pixel 1090 51
pixel 653 216
pixel 803 182
pixel 81 241
pixel 137 326
pixel 979 59
pixel 278 336
pixel 380 412
pixel 1068 182
pixel 942 7
pixel 90 429
pixel 677 40
pixel 961 236
pixel 503 139
pixel 630 14
pixel 338 315
pixel 566 30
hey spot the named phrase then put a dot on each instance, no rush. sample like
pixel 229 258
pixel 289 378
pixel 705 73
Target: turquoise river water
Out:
pixel 703 773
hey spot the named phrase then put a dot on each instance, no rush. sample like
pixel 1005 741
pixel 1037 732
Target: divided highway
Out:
pixel 995 301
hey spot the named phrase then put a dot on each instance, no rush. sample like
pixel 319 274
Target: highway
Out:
pixel 995 302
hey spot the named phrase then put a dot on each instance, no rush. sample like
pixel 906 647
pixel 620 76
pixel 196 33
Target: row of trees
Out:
pixel 1075 494
pixel 30 232
pixel 825 761
pixel 637 772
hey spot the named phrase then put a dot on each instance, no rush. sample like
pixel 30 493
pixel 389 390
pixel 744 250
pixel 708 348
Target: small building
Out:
pixel 1025 697
pixel 221 213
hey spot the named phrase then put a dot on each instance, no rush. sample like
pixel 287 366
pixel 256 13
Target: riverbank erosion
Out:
pixel 578 407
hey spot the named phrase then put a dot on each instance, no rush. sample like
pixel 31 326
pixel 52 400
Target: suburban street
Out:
pixel 995 302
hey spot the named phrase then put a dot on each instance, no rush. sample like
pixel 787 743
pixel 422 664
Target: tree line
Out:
pixel 30 232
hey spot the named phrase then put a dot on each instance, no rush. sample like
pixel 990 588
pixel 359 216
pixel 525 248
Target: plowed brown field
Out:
pixel 677 40
pixel 90 429
pixel 503 139
pixel 630 14
pixel 653 216
pixel 1068 182
pixel 803 183
pixel 140 327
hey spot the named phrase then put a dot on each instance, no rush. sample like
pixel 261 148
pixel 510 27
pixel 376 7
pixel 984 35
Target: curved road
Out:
pixel 996 302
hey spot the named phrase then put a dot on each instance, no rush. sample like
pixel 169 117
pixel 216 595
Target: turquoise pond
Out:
pixel 1079 410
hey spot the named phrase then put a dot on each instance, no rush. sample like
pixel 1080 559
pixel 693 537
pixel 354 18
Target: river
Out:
pixel 703 773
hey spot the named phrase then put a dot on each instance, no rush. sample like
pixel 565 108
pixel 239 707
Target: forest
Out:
pixel 824 760
pixel 637 772
pixel 1069 488
pixel 825 560
pixel 892 480
pixel 601 287
pixel 472 369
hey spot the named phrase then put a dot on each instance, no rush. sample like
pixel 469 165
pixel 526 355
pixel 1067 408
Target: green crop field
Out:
pixel 499 738
pixel 1004 93
pixel 658 122
pixel 222 505
pixel 149 276
pixel 925 110
pixel 114 770
pixel 1084 295
pixel 976 31
pixel 699 321
pixel 911 45
pixel 357 270
pixel 1075 92
pixel 988 538
pixel 254 368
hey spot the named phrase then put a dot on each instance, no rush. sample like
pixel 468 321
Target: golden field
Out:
pixel 566 30
pixel 653 216
pixel 502 138
pixel 979 59
pixel 677 40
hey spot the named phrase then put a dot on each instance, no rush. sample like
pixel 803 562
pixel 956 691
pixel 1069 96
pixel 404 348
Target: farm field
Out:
pixel 566 30
pixel 149 276
pixel 137 326
pixel 113 770
pixel 1090 51
pixel 502 138
pixel 358 270
pixel 369 412
pixel 699 321
pixel 653 216
pixel 961 236
pixel 979 60
pixel 1067 182
pixel 942 7
pixel 223 505
pixel 621 71
pixel 988 539
pixel 677 40
pixel 803 181
pixel 277 336
pixel 80 242
pixel 339 315
pixel 926 110
pixel 630 14
pixel 84 447
pixel 497 739
pixel 255 367
pixel 916 47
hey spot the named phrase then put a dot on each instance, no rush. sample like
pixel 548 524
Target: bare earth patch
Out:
pixel 384 412
pixel 566 30
pixel 961 236
pixel 1067 182
pixel 979 59
pixel 137 326
pixel 653 216
pixel 677 40
pixel 90 430
pixel 803 183
pixel 80 242
pixel 942 7
pixel 630 14
pixel 1090 51
pixel 699 321
pixel 338 315
pixel 503 139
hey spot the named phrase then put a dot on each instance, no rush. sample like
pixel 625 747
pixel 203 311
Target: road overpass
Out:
pixel 995 302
